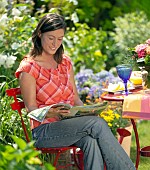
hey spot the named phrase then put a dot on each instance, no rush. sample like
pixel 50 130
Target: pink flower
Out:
pixel 141 54
pixel 148 41
pixel 140 50
pixel 140 47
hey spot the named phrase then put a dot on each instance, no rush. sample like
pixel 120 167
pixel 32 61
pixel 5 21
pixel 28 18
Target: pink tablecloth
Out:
pixel 136 106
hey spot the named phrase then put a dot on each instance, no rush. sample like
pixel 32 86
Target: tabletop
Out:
pixel 135 106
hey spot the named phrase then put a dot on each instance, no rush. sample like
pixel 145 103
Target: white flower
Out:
pixel 18 19
pixel 1 37
pixel 15 45
pixel 16 12
pixel 2 59
pixel 10 61
pixel 75 39
pixel 3 3
pixel 22 8
pixel 3 20
pixel 74 17
pixel 3 23
pixel 75 2
pixel 68 42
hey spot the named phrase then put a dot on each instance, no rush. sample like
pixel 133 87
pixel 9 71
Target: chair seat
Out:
pixel 55 150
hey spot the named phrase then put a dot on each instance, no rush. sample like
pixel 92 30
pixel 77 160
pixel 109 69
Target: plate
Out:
pixel 116 91
pixel 137 86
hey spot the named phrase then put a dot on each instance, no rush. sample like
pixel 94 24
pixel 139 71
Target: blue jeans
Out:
pixel 92 135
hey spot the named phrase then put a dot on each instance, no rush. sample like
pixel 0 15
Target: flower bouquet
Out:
pixel 141 53
pixel 141 56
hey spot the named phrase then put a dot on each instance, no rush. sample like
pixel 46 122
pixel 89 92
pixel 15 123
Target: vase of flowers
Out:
pixel 141 56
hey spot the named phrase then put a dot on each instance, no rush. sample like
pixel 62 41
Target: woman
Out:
pixel 46 77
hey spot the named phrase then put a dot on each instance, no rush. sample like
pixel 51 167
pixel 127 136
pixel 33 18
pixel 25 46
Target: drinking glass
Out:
pixel 124 72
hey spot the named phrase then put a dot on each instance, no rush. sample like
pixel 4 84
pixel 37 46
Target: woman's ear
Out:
pixel 39 34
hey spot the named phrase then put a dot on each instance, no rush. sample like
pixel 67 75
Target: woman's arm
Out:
pixel 28 90
pixel 77 100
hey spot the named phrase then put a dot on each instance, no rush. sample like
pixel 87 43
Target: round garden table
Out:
pixel 118 97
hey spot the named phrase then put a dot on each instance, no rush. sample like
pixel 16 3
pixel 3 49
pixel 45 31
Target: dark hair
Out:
pixel 49 22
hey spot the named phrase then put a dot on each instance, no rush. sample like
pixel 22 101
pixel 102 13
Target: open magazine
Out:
pixel 40 113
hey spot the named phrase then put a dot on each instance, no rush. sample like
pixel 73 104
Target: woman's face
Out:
pixel 51 41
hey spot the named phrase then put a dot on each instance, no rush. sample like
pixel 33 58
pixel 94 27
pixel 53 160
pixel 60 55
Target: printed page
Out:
pixel 39 114
pixel 87 109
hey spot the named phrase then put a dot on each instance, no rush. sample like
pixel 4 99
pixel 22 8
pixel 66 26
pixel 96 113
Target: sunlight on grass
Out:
pixel 144 131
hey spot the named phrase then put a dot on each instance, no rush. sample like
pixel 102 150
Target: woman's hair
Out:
pixel 49 22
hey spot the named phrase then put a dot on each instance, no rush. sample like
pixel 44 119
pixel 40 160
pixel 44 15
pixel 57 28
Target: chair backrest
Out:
pixel 18 105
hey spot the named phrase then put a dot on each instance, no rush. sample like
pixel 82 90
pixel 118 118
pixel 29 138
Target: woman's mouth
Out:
pixel 53 49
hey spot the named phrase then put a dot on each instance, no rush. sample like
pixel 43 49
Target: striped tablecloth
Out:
pixel 136 106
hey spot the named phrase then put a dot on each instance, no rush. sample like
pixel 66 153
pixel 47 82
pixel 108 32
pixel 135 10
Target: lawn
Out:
pixel 144 135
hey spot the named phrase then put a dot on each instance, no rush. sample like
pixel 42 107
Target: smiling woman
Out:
pixel 46 77
pixel 48 37
pixel 51 41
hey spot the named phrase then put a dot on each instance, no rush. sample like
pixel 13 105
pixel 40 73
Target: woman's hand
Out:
pixel 58 111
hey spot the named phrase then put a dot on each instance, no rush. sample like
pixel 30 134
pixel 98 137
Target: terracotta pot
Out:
pixel 126 144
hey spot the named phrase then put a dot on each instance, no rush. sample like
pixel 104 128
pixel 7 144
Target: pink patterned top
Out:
pixel 52 85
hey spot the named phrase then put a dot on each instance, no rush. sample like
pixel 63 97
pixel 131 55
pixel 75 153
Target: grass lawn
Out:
pixel 144 135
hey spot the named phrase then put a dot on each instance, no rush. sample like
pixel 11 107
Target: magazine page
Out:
pixel 39 114
pixel 88 109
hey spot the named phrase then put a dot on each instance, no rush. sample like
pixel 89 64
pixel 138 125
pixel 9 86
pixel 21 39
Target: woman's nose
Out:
pixel 54 42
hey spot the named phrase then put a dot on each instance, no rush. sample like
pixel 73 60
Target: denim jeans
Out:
pixel 92 135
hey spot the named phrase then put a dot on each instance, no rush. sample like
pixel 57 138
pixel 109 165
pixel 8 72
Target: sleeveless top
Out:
pixel 52 85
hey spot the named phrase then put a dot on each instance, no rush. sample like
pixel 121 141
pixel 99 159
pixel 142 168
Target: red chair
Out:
pixel 77 155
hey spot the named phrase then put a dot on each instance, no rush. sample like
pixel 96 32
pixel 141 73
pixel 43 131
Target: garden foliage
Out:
pixel 95 40
pixel 130 30
pixel 21 156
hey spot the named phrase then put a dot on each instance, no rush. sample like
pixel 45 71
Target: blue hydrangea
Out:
pixel 91 84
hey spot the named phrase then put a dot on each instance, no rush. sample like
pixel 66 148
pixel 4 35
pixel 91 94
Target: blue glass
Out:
pixel 124 72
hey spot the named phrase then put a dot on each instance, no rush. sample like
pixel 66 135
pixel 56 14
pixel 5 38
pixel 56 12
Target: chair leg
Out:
pixel 78 155
pixel 105 166
pixel 56 159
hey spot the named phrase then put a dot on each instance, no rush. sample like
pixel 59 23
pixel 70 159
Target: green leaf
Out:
pixel 20 142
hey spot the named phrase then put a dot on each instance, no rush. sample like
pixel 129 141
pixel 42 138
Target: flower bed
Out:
pixel 90 85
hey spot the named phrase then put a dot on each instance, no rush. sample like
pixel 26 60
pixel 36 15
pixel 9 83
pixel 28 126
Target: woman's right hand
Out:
pixel 58 111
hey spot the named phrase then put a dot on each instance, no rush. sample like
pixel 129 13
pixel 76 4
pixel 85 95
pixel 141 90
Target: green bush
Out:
pixel 10 121
pixel 85 46
pixel 130 30
pixel 21 156
pixel 16 27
